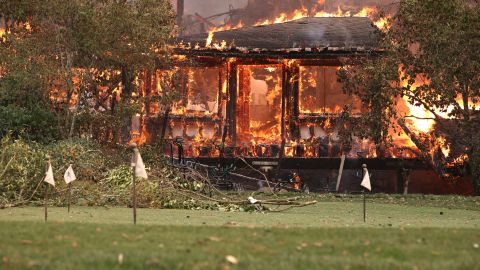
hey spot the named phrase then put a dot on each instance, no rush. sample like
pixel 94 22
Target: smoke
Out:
pixel 250 12
pixel 211 7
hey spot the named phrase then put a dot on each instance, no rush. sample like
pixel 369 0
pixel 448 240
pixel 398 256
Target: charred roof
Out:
pixel 308 35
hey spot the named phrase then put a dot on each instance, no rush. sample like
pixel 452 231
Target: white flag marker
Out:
pixel 137 162
pixel 48 179
pixel 49 175
pixel 69 175
pixel 138 171
pixel 366 184
pixel 366 180
pixel 252 200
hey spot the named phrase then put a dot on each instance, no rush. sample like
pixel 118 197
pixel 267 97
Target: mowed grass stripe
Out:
pixel 323 214
pixel 35 245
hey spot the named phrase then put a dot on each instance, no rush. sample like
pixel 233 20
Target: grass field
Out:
pixel 420 233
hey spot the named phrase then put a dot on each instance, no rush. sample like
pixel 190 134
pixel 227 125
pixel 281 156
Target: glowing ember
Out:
pixel 209 39
pixel 442 142
pixel 212 31
pixel 2 35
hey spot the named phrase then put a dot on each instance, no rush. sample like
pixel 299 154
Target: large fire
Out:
pixel 202 118
pixel 303 12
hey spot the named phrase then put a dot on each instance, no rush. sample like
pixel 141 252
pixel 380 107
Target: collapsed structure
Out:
pixel 270 95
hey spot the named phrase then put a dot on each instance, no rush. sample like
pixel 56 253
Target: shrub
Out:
pixel 86 157
pixel 36 124
pixel 22 167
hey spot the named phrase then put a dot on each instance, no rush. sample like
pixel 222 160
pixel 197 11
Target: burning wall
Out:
pixel 260 104
pixel 270 117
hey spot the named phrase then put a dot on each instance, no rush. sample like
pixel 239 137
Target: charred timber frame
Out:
pixel 279 55
pixel 291 116
pixel 289 163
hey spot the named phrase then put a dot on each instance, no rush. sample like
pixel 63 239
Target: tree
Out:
pixel 431 58
pixel 63 49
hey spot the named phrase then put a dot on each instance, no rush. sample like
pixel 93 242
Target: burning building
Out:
pixel 269 95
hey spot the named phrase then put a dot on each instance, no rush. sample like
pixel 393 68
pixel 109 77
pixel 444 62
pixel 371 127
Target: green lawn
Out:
pixel 328 235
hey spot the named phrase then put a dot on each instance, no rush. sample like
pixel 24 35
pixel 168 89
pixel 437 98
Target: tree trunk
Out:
pixel 180 11
pixel 474 168
pixel 164 128
pixel 127 80
pixel 476 184
pixel 70 90
pixel 475 174
pixel 148 90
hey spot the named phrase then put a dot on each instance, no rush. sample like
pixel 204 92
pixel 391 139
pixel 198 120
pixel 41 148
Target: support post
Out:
pixel 340 172
pixel 406 178
pixel 171 152
pixel 295 96
pixel 232 103
pixel 284 92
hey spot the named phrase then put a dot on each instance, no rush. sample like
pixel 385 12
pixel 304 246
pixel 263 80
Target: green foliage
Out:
pixel 117 189
pixel 372 83
pixel 120 177
pixel 88 161
pixel 434 44
pixel 22 166
pixel 72 49
pixel 37 123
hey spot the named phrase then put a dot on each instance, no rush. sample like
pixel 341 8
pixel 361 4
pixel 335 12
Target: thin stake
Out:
pixel 134 198
pixel 340 172
pixel 69 194
pixel 364 207
pixel 364 167
pixel 46 202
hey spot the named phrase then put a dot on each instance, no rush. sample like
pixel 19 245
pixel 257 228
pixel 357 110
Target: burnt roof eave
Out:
pixel 344 34
pixel 279 54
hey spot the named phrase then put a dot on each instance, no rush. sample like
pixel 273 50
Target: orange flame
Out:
pixel 303 12
pixel 212 31
pixel 370 12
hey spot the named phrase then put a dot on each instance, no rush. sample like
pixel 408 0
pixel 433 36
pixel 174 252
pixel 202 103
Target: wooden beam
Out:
pixel 294 82
pixel 284 108
pixel 232 101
